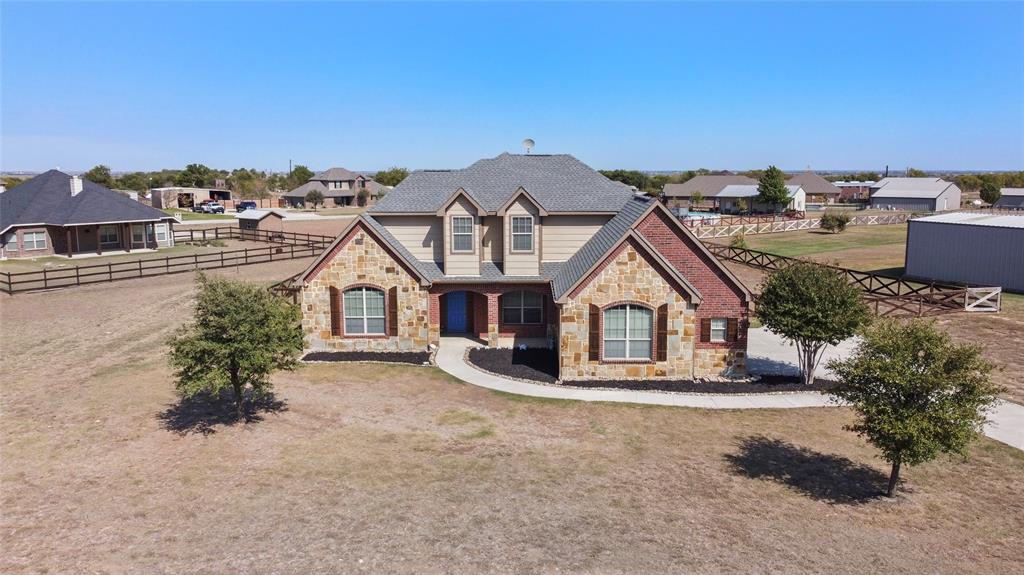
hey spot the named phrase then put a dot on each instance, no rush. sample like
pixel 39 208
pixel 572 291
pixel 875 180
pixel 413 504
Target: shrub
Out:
pixel 834 221
pixel 738 241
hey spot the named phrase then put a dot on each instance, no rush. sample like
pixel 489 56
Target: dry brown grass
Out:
pixel 375 468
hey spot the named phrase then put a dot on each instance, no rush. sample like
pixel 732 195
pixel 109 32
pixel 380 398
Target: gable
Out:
pixel 722 291
pixel 631 267
pixel 358 233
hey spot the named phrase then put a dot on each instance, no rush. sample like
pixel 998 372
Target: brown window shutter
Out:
pixel 730 330
pixel 393 311
pixel 595 333
pixel 662 342
pixel 705 329
pixel 335 311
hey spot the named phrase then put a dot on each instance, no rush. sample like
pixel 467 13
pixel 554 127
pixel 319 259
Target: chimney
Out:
pixel 76 185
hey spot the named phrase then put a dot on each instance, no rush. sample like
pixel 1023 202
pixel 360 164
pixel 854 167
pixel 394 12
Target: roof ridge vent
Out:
pixel 76 185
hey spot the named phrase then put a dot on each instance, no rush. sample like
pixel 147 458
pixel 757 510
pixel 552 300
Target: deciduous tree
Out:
pixel 300 175
pixel 813 306
pixel 834 221
pixel 771 188
pixel 315 197
pixel 194 176
pixel 916 393
pixel 100 175
pixel 391 177
pixel 239 336
pixel 695 199
pixel 990 192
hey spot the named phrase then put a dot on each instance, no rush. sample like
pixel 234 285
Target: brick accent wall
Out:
pixel 628 276
pixel 360 259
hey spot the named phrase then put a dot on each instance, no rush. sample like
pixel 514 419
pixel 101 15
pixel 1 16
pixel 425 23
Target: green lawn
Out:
pixel 796 244
pixel 187 215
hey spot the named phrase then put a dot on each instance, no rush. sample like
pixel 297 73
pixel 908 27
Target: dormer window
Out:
pixel 462 234
pixel 522 234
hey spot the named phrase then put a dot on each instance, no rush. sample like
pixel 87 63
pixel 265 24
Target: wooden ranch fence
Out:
pixel 282 246
pixel 708 231
pixel 887 296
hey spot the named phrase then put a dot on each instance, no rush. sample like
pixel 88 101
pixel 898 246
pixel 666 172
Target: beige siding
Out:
pixel 522 264
pixel 423 236
pixel 493 247
pixel 462 263
pixel 565 235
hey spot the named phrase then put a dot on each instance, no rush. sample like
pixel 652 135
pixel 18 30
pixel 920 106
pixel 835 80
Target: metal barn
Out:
pixel 971 248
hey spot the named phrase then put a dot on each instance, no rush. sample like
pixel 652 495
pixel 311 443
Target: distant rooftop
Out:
pixel 749 191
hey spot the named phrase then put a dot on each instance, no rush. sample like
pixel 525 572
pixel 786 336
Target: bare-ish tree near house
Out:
pixel 813 306
pixel 240 335
pixel 916 393
pixel 695 199
pixel 314 197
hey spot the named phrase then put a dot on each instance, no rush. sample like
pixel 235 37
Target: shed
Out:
pixel 255 224
pixel 982 249
pixel 1010 199
pixel 915 194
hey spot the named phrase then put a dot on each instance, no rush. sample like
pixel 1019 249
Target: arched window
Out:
pixel 522 307
pixel 627 332
pixel 364 311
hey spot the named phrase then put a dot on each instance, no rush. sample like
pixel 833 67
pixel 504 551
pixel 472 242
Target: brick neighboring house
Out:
pixel 58 214
pixel 818 189
pixel 339 187
pixel 677 196
pixel 536 250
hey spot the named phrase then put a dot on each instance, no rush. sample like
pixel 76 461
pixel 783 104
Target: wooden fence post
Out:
pixel 110 272
pixel 78 278
pixel 45 284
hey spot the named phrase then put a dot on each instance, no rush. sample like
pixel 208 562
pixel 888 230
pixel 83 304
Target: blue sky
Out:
pixel 652 86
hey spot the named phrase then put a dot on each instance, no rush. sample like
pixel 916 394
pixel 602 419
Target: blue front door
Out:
pixel 457 312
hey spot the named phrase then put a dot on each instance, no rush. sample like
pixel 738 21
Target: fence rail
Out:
pixel 719 230
pixel 886 295
pixel 282 246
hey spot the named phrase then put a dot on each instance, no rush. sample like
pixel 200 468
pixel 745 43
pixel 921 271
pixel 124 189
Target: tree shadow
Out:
pixel 204 412
pixel 820 476
pixel 767 366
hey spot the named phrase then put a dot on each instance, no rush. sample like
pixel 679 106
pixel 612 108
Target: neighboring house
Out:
pixel 184 198
pixel 818 189
pixel 339 187
pixel 677 196
pixel 854 190
pixel 1011 199
pixel 971 248
pixel 915 194
pixel 58 214
pixel 536 250
pixel 728 199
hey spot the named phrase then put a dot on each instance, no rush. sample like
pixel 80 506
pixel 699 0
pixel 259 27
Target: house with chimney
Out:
pixel 536 250
pixel 57 214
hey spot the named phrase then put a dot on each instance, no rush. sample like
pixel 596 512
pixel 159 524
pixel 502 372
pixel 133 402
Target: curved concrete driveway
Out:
pixel 1006 420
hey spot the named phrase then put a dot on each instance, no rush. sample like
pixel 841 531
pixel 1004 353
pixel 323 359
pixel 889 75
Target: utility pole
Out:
pixel 289 166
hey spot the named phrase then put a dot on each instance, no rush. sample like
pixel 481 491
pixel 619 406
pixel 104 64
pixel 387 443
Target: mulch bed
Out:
pixel 541 365
pixel 410 357
pixel 533 364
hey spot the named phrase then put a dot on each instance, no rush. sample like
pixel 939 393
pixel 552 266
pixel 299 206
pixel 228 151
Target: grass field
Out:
pixel 882 249
pixel 370 468
pixel 51 262
pixel 189 215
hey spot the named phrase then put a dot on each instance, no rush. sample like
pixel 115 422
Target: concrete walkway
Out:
pixel 1007 419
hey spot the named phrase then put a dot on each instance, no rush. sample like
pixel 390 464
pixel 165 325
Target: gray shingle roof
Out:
pixel 336 175
pixel 708 186
pixel 814 184
pixel 592 251
pixel 47 199
pixel 559 183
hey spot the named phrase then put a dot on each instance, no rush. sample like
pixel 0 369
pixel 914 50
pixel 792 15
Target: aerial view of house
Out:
pixel 58 214
pixel 339 187
pixel 678 195
pixel 532 249
pixel 915 194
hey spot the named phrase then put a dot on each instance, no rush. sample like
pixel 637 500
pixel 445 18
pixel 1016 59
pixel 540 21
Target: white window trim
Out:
pixel 11 241
pixel 724 329
pixel 471 234
pixel 514 233
pixel 161 230
pixel 627 339
pixel 117 232
pixel 25 243
pixel 521 308
pixel 366 327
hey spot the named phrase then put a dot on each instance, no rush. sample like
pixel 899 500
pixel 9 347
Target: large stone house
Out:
pixel 536 250
pixel 58 214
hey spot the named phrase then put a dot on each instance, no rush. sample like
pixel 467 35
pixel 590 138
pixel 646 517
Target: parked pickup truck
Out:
pixel 212 208
pixel 246 205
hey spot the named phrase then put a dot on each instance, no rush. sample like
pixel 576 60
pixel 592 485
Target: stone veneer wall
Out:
pixel 361 260
pixel 628 277
pixel 714 362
